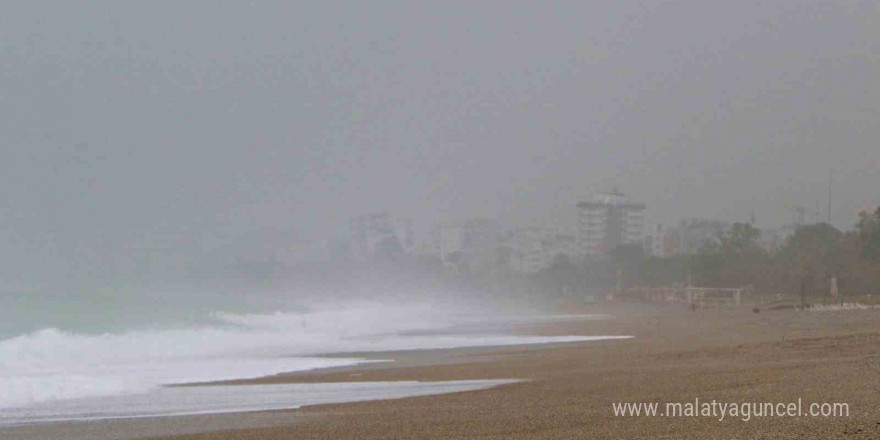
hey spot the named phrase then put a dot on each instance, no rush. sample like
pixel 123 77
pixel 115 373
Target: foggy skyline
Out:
pixel 171 125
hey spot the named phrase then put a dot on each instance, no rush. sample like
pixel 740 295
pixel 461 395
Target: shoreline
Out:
pixel 732 354
pixel 372 358
pixel 358 391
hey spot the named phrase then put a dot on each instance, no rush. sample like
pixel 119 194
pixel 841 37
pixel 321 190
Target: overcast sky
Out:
pixel 182 124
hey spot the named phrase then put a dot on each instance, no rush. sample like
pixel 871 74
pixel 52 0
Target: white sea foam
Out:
pixel 53 365
pixel 228 399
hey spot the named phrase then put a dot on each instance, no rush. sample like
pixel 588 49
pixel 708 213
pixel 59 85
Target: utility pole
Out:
pixel 830 179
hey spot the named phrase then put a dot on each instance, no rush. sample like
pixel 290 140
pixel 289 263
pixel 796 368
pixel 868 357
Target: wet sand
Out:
pixel 676 356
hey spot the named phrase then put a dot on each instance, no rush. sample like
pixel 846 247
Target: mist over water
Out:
pixel 137 341
pixel 224 190
pixel 98 310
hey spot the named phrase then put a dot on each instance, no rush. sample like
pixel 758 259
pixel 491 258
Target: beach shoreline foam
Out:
pixel 120 382
pixel 568 389
pixel 188 401
pixel 52 364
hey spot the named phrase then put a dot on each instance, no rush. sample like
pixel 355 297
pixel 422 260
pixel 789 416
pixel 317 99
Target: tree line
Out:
pixel 805 262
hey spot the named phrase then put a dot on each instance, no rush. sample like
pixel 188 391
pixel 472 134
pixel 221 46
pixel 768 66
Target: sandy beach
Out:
pixel 500 219
pixel 568 389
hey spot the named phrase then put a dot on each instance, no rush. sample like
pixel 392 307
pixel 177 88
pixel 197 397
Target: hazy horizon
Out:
pixel 291 203
pixel 175 127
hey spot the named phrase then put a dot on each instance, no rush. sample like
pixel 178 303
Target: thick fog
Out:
pixel 206 131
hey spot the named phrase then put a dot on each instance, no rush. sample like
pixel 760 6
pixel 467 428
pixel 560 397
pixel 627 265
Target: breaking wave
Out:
pixel 51 364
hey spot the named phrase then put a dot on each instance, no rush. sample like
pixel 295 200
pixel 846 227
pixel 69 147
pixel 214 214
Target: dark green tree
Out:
pixel 868 228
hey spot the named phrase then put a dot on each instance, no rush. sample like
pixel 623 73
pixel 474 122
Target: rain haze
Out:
pixel 168 149
pixel 123 122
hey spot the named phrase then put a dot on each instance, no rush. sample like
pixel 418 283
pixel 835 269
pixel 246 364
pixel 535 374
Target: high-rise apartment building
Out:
pixel 608 221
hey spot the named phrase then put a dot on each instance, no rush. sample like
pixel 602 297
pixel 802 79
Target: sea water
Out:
pixel 176 401
pixel 80 360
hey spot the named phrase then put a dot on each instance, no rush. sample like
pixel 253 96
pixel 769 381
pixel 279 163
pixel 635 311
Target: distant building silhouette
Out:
pixel 691 235
pixel 472 243
pixel 372 234
pixel 608 221
pixel 533 249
